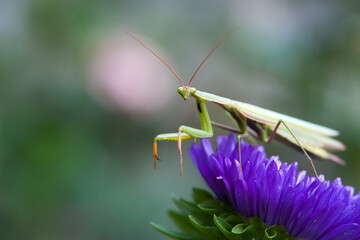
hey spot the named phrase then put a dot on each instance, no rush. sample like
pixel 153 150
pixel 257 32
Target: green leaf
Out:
pixel 193 209
pixel 182 222
pixel 225 228
pixel 257 223
pixel 222 224
pixel 206 218
pixel 200 195
pixel 209 231
pixel 239 228
pixel 227 207
pixel 177 202
pixel 211 207
pixel 256 227
pixel 174 234
pixel 277 232
pixel 233 219
pixel 254 230
pixel 189 206
pixel 271 233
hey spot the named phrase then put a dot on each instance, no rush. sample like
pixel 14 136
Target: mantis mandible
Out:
pixel 260 123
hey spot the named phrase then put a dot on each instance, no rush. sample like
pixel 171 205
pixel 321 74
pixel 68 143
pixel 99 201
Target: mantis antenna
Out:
pixel 216 46
pixel 156 56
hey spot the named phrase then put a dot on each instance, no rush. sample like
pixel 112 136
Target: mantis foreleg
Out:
pixel 185 133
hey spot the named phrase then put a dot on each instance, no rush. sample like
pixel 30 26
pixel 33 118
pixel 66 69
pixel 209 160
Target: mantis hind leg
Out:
pixel 272 135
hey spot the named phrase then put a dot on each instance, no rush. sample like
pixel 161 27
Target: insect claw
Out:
pixel 156 158
pixel 155 154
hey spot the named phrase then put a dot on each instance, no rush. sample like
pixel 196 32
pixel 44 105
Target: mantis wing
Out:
pixel 271 118
pixel 315 139
pixel 316 144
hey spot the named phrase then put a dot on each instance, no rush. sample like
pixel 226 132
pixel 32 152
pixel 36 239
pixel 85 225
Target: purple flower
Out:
pixel 276 192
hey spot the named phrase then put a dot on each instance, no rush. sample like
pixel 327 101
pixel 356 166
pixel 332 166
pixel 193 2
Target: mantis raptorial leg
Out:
pixel 185 133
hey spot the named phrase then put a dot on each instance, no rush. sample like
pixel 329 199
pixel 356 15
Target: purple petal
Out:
pixel 276 192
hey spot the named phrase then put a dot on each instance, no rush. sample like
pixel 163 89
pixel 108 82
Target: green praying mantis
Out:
pixel 260 123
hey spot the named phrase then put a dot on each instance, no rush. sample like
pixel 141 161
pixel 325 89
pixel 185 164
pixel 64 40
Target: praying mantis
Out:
pixel 260 123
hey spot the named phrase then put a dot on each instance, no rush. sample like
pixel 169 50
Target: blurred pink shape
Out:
pixel 129 77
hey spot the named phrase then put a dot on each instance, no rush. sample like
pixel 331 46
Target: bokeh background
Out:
pixel 81 101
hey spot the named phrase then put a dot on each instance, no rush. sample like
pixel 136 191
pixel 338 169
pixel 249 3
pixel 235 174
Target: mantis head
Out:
pixel 186 92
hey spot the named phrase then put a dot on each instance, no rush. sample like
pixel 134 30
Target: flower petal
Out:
pixel 276 192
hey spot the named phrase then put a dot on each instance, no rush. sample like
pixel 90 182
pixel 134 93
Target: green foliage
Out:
pixel 208 218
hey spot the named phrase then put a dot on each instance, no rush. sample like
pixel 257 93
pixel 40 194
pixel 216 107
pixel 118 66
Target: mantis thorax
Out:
pixel 186 92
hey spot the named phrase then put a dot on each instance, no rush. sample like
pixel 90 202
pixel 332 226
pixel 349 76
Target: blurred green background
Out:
pixel 81 101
